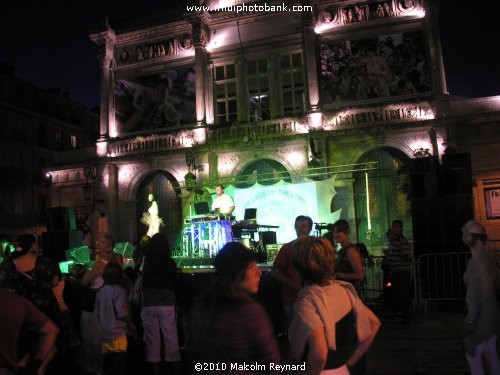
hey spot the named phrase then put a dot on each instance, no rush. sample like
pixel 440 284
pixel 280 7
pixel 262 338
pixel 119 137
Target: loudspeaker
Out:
pixel 55 244
pixel 457 174
pixel 424 177
pixel 267 238
pixel 60 219
pixel 427 225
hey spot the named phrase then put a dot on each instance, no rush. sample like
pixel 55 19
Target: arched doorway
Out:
pixel 166 191
pixel 388 196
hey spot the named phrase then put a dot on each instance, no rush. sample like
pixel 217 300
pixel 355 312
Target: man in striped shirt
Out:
pixel 399 261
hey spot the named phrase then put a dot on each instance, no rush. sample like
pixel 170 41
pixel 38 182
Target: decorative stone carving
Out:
pixel 329 16
pixel 227 163
pixel 406 5
pixel 360 117
pixel 105 61
pixel 169 47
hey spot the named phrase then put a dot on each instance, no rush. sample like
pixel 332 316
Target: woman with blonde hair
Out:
pixel 331 329
pixel 482 320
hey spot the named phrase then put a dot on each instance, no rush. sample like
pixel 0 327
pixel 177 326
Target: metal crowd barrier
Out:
pixel 440 277
pixel 436 277
pixel 374 278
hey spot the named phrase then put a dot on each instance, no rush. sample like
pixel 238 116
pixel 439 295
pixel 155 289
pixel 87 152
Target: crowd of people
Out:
pixel 85 323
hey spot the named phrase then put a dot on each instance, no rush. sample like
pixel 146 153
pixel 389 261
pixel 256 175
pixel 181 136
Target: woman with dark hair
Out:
pixel 227 325
pixel 349 266
pixel 332 328
pixel 31 275
pixel 159 318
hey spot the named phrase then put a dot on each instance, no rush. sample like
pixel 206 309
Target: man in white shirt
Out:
pixel 223 203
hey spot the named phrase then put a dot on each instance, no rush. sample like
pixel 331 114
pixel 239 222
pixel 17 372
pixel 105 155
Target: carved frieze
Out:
pixel 153 50
pixel 387 114
pixel 365 11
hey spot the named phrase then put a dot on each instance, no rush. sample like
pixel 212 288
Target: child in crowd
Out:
pixel 113 314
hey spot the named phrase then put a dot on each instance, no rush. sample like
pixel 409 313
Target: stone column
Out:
pixel 106 40
pixel 314 115
pixel 199 41
pixel 199 70
pixel 436 64
pixel 107 196
pixel 209 95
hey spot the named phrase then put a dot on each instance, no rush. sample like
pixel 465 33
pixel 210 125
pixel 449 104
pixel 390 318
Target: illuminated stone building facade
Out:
pixel 350 92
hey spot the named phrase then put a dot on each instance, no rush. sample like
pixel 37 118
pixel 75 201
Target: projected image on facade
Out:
pixel 155 101
pixel 381 67
pixel 278 204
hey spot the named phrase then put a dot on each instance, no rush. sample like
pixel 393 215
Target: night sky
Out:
pixel 48 44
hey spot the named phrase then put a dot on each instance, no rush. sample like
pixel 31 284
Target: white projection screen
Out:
pixel 280 203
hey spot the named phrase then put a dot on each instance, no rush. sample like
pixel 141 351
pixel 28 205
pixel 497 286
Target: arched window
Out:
pixel 264 171
pixel 388 192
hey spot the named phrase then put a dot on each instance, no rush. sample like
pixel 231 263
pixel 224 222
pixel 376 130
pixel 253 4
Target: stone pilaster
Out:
pixel 315 118
pixel 106 40
pixel 199 70
pixel 436 56
pixel 209 95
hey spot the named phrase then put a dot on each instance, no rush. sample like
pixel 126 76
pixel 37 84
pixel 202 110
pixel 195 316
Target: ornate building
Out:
pixel 349 96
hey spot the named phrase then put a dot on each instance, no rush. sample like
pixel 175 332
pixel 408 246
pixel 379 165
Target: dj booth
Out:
pixel 205 235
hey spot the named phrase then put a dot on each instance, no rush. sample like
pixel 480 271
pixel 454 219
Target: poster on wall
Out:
pixel 492 203
pixel 367 69
pixel 156 101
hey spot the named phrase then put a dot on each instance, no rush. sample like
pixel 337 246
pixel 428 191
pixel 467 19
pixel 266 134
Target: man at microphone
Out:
pixel 223 203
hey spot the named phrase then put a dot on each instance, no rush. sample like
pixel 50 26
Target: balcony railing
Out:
pixel 183 137
pixel 151 143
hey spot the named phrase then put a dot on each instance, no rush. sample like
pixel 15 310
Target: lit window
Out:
pixel 292 85
pixel 258 89
pixel 225 87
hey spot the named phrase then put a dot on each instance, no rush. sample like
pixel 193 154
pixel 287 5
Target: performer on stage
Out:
pixel 151 218
pixel 224 203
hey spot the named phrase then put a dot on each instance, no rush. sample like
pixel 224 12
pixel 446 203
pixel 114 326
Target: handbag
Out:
pixel 135 295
